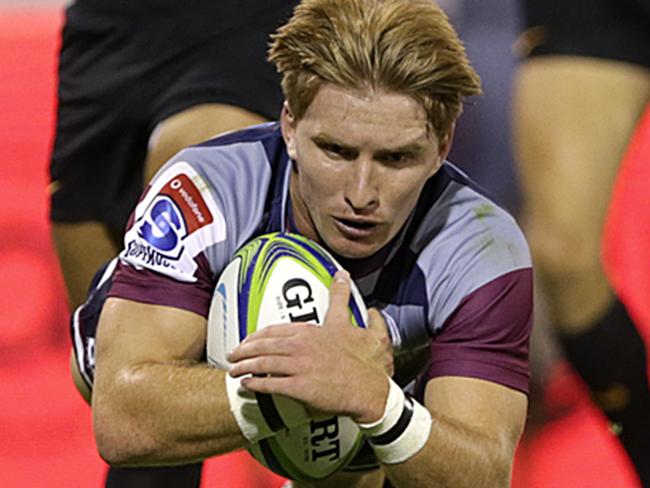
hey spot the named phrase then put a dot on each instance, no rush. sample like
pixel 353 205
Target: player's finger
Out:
pixel 269 384
pixel 263 365
pixel 259 347
pixel 337 312
pixel 276 330
pixel 376 321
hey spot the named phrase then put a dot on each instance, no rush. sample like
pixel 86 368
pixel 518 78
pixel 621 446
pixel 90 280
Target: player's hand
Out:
pixel 373 344
pixel 336 369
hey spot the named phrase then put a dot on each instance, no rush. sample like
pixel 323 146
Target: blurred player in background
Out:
pixel 578 96
pixel 138 81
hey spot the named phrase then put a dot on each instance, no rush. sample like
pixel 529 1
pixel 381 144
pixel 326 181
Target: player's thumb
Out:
pixel 378 326
pixel 337 312
pixel 376 321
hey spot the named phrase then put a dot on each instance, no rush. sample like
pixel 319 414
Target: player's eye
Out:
pixel 336 150
pixel 396 158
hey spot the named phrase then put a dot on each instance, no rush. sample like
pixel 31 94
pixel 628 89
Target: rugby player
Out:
pixel 358 163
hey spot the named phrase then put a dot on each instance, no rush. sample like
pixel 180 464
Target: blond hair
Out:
pixel 404 46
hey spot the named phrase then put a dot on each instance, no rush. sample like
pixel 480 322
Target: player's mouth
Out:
pixel 355 228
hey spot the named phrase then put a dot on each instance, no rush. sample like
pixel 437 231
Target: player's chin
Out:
pixel 356 247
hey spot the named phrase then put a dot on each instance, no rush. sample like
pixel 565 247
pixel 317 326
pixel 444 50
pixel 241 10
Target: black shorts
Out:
pixel 611 29
pixel 126 65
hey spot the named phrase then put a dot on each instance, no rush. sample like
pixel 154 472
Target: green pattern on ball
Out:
pixel 268 247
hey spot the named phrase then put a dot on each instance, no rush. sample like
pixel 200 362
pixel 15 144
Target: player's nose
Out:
pixel 362 188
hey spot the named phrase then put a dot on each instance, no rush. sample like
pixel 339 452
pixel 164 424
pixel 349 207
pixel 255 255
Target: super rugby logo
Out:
pixel 163 226
pixel 175 212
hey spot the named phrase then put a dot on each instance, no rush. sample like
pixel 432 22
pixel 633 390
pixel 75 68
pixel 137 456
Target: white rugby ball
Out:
pixel 277 279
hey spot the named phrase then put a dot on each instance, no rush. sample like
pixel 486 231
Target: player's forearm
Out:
pixel 371 479
pixel 156 413
pixel 421 446
pixel 455 456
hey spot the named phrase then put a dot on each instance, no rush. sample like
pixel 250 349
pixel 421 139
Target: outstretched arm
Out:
pixel 153 402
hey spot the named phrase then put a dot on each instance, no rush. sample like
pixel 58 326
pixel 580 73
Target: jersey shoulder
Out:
pixel 205 202
pixel 464 241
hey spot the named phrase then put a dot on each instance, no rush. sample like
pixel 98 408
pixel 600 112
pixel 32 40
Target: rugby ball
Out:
pixel 276 279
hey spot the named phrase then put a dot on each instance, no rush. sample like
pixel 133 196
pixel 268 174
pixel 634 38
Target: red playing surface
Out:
pixel 46 437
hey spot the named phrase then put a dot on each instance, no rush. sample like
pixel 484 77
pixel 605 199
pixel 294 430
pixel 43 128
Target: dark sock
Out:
pixel 156 477
pixel 611 358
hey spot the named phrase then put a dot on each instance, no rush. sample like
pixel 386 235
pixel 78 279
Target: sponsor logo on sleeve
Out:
pixel 172 223
pixel 164 227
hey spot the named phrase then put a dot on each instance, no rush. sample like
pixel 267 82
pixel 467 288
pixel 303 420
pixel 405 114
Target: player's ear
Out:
pixel 288 127
pixel 445 143
pixel 444 146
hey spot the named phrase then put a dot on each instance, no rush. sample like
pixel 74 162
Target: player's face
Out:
pixel 362 160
